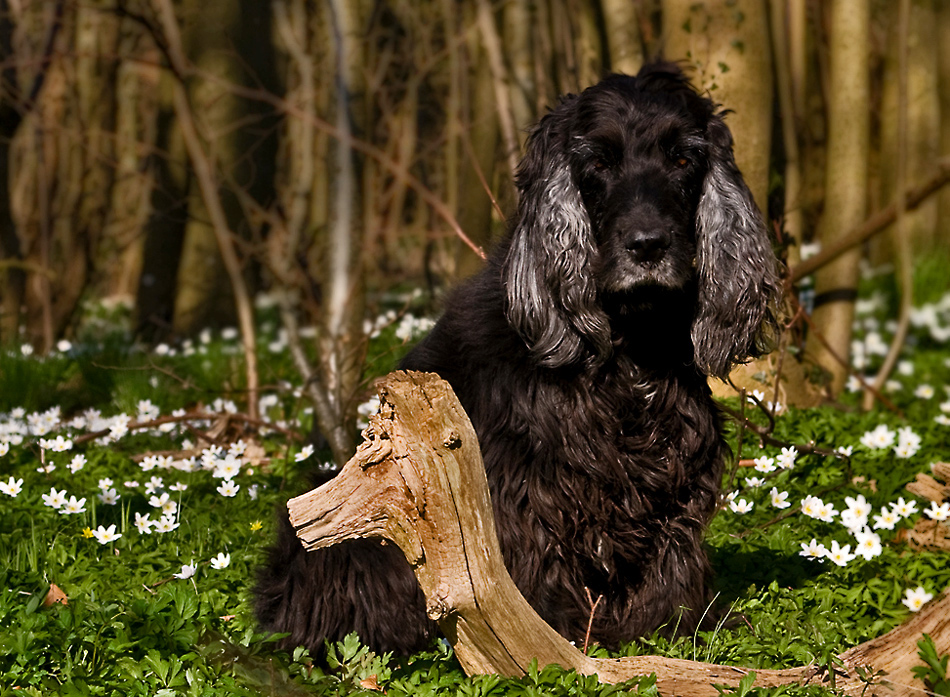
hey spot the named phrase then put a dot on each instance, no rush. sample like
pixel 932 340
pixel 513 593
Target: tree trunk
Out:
pixel 203 296
pixel 165 227
pixel 12 276
pixel 419 481
pixel 480 128
pixel 122 257
pixel 943 75
pixel 624 44
pixel 342 344
pixel 491 41
pixel 726 43
pixel 846 186
pixel 224 40
pixel 588 46
pixel 519 18
pixel 61 165
pixel 788 21
pixel 923 124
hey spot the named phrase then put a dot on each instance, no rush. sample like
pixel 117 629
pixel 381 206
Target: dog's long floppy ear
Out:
pixel 552 298
pixel 738 277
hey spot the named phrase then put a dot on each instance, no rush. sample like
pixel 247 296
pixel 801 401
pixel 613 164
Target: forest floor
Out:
pixel 137 499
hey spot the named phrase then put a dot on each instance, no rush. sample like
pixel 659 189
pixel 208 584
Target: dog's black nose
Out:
pixel 647 245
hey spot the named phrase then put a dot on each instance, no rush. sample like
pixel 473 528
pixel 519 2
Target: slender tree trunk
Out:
pixel 453 105
pixel 588 46
pixel 942 25
pixel 164 230
pixel 787 24
pixel 519 19
pixel 342 344
pixel 204 296
pixel 206 177
pixel 12 277
pixel 902 225
pixel 624 44
pixel 493 52
pixel 847 180
pixel 923 123
pixel 480 128
pixel 562 26
pixel 726 42
pixel 122 257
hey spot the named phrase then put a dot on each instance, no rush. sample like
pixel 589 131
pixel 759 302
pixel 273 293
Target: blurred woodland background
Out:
pixel 182 155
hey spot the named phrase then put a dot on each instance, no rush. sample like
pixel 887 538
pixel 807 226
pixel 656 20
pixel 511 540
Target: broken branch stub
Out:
pixel 418 480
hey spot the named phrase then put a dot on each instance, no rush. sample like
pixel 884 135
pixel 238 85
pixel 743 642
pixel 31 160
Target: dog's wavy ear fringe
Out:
pixel 739 285
pixel 551 293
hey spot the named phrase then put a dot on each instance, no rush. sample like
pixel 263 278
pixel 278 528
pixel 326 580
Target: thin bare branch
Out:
pixel 873 225
pixel 396 169
pixel 327 417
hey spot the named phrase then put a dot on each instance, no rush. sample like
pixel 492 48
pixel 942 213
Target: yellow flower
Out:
pixel 256 525
pixel 87 533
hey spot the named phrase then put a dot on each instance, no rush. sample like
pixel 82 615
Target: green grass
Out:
pixel 129 626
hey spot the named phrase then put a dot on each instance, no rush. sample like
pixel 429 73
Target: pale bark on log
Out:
pixel 418 480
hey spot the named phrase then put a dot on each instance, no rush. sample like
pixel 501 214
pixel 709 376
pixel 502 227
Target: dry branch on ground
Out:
pixel 418 481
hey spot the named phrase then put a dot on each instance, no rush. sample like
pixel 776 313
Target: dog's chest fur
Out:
pixel 607 465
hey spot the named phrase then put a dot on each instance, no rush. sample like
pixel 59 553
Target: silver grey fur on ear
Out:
pixel 738 280
pixel 552 297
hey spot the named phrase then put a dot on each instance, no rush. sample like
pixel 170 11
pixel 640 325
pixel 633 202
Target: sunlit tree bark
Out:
pixel 342 344
pixel 61 159
pixel 726 44
pixel 588 47
pixel 846 184
pixel 942 25
pixel 923 119
pixel 622 28
pixel 519 18
pixel 135 126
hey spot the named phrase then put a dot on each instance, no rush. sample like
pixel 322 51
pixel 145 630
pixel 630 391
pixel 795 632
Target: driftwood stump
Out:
pixel 418 481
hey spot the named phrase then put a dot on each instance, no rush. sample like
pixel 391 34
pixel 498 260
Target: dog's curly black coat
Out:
pixel 637 266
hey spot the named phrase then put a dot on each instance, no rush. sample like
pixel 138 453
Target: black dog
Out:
pixel 638 265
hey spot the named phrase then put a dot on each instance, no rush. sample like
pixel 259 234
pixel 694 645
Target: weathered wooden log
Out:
pixel 926 533
pixel 418 481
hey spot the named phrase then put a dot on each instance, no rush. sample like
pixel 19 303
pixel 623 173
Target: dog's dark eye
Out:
pixel 680 160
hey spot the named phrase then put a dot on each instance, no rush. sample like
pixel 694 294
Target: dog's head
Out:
pixel 630 193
